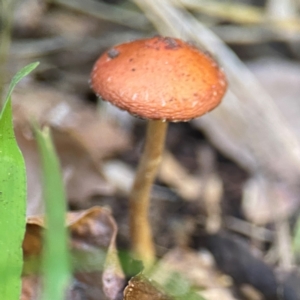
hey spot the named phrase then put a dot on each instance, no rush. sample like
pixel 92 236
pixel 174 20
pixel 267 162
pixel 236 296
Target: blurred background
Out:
pixel 226 201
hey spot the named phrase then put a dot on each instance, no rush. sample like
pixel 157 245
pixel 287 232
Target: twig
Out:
pixel 258 233
pixel 107 12
pixel 234 12
pixel 281 10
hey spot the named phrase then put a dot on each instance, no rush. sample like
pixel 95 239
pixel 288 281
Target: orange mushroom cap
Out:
pixel 160 78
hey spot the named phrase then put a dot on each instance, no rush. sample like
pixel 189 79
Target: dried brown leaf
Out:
pixel 98 274
pixel 198 269
pixel 141 288
pixel 81 137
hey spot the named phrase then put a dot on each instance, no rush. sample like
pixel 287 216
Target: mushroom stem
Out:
pixel 140 229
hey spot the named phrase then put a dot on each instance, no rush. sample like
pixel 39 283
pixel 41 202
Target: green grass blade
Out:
pixel 21 74
pixel 12 200
pixel 12 207
pixel 56 265
pixel 296 239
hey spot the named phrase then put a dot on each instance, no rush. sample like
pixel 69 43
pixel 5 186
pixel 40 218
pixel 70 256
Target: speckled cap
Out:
pixel 159 78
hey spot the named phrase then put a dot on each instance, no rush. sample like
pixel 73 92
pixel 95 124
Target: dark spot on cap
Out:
pixel 113 53
pixel 171 43
pixel 130 59
pixel 133 69
pixel 208 54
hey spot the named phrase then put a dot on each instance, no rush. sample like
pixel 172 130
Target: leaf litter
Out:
pixel 97 270
pixel 68 42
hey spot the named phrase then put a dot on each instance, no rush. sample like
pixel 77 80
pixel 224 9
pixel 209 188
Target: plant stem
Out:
pixel 140 229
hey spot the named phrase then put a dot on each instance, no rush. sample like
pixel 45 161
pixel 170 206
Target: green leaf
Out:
pixel 56 261
pixel 21 74
pixel 12 199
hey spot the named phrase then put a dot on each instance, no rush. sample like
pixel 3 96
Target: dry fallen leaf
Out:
pixel 265 201
pixel 98 274
pixel 76 164
pixel 141 288
pixel 81 137
pixel 198 270
pixel 68 113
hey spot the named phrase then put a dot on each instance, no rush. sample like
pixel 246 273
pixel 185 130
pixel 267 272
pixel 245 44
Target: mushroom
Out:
pixel 161 79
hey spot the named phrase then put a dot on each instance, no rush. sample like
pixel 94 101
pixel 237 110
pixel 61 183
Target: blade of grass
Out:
pixel 56 263
pixel 12 199
pixel 21 74
pixel 296 238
